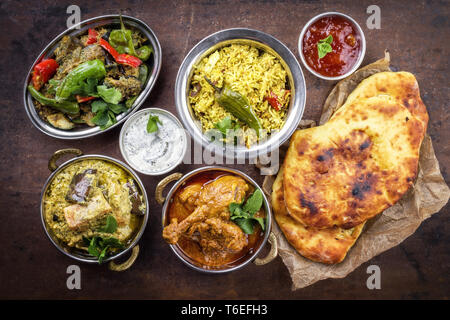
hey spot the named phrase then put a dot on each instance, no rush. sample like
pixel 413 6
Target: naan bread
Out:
pixel 328 246
pixel 362 160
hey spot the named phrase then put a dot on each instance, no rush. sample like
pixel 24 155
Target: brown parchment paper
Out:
pixel 426 197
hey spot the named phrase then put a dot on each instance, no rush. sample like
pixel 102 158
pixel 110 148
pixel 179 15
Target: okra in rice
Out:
pixel 253 73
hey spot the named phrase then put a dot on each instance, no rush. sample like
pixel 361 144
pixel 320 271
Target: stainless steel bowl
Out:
pixel 80 255
pixel 260 40
pixel 357 28
pixel 84 132
pixel 155 111
pixel 165 201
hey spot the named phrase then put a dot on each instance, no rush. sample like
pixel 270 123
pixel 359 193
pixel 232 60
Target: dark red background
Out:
pixel 416 34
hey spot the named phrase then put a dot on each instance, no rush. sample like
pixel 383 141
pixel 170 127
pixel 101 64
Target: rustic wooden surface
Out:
pixel 416 34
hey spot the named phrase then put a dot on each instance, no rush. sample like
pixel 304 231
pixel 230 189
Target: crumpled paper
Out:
pixel 388 229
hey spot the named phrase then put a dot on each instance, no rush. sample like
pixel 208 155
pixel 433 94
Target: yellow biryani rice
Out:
pixel 251 72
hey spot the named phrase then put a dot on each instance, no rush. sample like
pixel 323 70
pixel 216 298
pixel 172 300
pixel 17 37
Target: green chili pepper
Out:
pixel 69 107
pixel 144 52
pixel 237 105
pixel 89 69
pixel 129 103
pixel 143 73
pixel 118 40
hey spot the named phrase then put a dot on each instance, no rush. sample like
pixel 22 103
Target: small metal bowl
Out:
pixel 80 255
pixel 155 111
pixel 85 131
pixel 259 40
pixel 357 28
pixel 165 201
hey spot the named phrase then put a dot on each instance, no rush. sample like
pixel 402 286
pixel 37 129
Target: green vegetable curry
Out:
pixel 91 78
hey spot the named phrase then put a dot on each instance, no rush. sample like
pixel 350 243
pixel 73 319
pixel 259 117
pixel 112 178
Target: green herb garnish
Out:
pixel 324 46
pixel 87 88
pixel 223 127
pixel 152 124
pixel 98 246
pixel 243 214
pixel 110 95
pixel 105 113
pixel 111 225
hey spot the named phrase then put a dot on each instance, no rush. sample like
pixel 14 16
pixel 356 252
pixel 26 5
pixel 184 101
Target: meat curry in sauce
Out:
pixel 200 223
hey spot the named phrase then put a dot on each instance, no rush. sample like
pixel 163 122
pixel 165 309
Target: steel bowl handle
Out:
pixel 127 264
pixel 52 166
pixel 163 183
pixel 272 253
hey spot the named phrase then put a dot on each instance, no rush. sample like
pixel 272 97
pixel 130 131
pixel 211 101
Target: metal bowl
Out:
pixel 156 111
pixel 165 201
pixel 77 254
pixel 357 28
pixel 84 132
pixel 262 41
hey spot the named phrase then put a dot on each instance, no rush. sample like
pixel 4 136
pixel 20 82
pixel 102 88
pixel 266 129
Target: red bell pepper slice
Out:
pixel 105 45
pixel 273 101
pixel 120 58
pixel 43 71
pixel 81 99
pixel 92 36
pixel 129 60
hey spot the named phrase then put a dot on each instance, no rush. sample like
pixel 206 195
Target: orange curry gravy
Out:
pixel 346 46
pixel 192 249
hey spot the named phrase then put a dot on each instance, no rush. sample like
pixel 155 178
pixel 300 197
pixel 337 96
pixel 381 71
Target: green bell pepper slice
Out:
pixel 144 52
pixel 89 69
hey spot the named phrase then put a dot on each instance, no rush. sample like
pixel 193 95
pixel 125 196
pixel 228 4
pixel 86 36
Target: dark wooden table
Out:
pixel 416 34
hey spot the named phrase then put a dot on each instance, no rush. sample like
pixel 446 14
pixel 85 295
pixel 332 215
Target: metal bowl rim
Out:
pixel 192 173
pixel 361 54
pixel 94 157
pixel 40 124
pixel 283 52
pixel 135 115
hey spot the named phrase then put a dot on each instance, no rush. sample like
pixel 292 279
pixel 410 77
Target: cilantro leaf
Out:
pixel 117 108
pixel 101 118
pixel 87 88
pixel 152 124
pixel 99 106
pixel 110 95
pixel 226 124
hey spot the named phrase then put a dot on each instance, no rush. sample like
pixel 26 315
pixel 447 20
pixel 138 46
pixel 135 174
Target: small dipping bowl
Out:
pixel 157 152
pixel 358 31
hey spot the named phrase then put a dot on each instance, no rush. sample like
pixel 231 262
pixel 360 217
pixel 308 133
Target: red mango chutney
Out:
pixel 346 46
